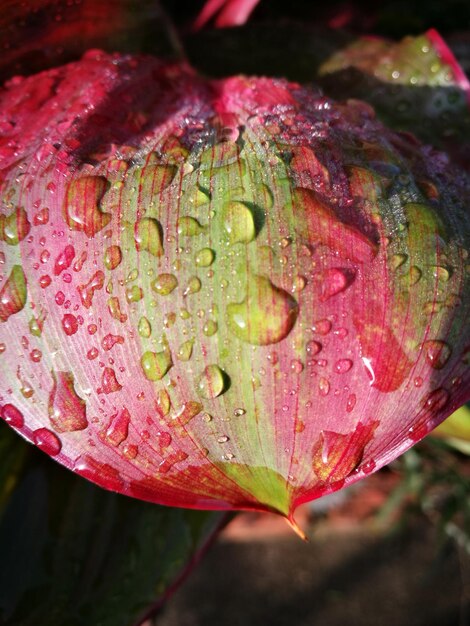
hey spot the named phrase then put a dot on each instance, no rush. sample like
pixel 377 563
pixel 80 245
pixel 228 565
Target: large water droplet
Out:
pixel 144 328
pixel 12 416
pixel 109 381
pixel 334 281
pixel 87 291
pixel 67 411
pixel 112 257
pixel 239 222
pixel 156 364
pixel 185 350
pixel 15 227
pixel 148 236
pixel 13 293
pixel 265 316
pixel 118 427
pixel 212 382
pixel 187 412
pixel 189 226
pixel 343 365
pixel 47 441
pixel 69 324
pixel 82 205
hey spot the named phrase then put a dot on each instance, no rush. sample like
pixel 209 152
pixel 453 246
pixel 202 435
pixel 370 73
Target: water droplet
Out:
pixel 414 275
pixel 12 416
pixel 164 284
pixel 299 284
pixel 92 354
pixel 130 450
pixel 67 411
pixel 15 227
pixel 41 217
pixel 156 364
pixel 134 294
pixel 239 412
pixel 322 327
pixel 144 327
pixel 351 403
pixel 118 428
pixel 323 386
pixel 69 324
pixel 296 366
pixel 185 350
pixel 398 260
pixel 47 441
pixel 436 400
pixel 437 353
pixel 13 293
pixel 114 308
pixel 204 257
pixel 64 260
pixel 206 417
pixel 343 365
pixel 239 222
pixel 313 348
pixel 265 316
pixel 164 439
pixel 112 257
pixel 35 355
pixel 83 205
pixel 111 340
pixel 187 412
pixel 189 226
pixel 109 382
pixel 87 291
pixel 148 236
pixel 334 281
pixel 213 382
pixel 442 273
pixel 210 328
pixel 45 281
pixel 171 460
pixel 193 286
pixel 163 402
pixel 418 381
pixel 223 439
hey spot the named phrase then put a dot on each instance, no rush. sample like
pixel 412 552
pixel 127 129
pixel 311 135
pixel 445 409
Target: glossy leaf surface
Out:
pixel 223 294
pixel 73 554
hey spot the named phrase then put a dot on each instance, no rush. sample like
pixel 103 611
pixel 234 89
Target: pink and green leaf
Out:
pixel 237 294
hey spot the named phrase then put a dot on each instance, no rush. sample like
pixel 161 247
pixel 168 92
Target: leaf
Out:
pixel 415 85
pixel 456 429
pixel 74 554
pixel 232 294
pixel 40 33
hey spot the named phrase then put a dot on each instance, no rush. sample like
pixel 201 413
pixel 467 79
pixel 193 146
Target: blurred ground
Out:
pixel 353 572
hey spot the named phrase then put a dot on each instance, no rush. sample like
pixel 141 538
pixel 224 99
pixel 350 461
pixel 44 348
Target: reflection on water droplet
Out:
pixel 47 441
pixel 223 439
pixel 187 412
pixel 351 403
pixel 239 412
pixel 213 382
pixel 64 260
pixel 313 348
pixel 369 369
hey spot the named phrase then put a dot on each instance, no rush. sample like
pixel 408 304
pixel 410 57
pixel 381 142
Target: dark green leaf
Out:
pixel 77 555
